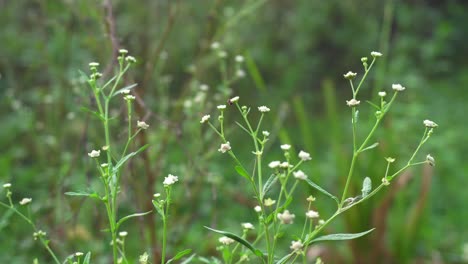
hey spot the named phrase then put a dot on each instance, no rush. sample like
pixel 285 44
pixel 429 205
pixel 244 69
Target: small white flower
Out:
pixel 104 165
pixel 93 64
pixel 430 160
pixel 382 94
pixel 129 97
pixel 221 107
pixel 350 75
pixel 105 148
pixel 170 179
pixel 265 133
pixel 274 164
pixel 25 201
pixel 7 185
pixel 234 99
pixel 225 147
pixel 300 175
pixel 96 75
pixel 78 254
pixel 123 233
pixel 385 181
pixel 130 59
pixel 286 217
pixel 156 195
pixel 352 102
pixel 226 240
pixel 222 54
pixel 239 58
pixel 398 87
pixel 376 54
pixel 94 153
pixel 204 87
pixel 310 199
pixel 247 226
pixel 240 73
pixel 142 125
pixel 123 51
pixel 125 91
pixel 263 109
pixel 143 259
pixel 285 165
pixel 390 159
pixel 296 246
pixel 285 147
pixel 269 202
pixel 258 209
pixel 304 156
pixel 215 45
pixel 204 119
pixel 429 123
pixel 312 214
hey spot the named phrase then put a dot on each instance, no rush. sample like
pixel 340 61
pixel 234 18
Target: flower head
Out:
pixel 385 181
pixel 123 51
pixel 382 94
pixel 7 185
pixel 129 97
pixel 376 54
pixel 430 160
pixel 204 119
pixel 285 147
pixel 310 199
pixel 312 214
pixel 296 246
pixel 263 109
pixel 390 159
pixel 25 201
pixel 170 179
pixel 142 125
pixel 247 226
pixel 398 87
pixel 226 240
pixel 221 107
pixel 94 64
pixel 286 217
pixel 265 133
pixel 304 156
pixel 78 254
pixel 215 45
pixel 123 233
pixel 233 100
pixel 300 175
pixel 285 165
pixel 258 209
pixel 240 73
pixel 353 102
pixel 94 153
pixel 239 58
pixel 225 147
pixel 430 124
pixel 269 202
pixel 350 75
pixel 130 59
pixel 274 164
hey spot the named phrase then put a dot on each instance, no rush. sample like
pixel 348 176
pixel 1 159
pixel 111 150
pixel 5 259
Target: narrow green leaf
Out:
pixel 242 172
pixel 109 82
pixel 374 105
pixel 334 237
pixel 370 147
pixel 238 239
pixel 87 258
pixel 84 193
pixel 243 128
pixel 366 186
pixel 96 114
pixel 285 258
pixel 124 89
pixel 179 255
pixel 158 209
pixel 255 73
pixel 320 189
pixel 127 157
pixel 125 218
pixel 268 184
pixel 188 260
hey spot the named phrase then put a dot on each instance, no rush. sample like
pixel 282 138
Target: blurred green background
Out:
pixel 296 53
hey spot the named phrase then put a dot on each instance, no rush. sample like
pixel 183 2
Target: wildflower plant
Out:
pixel 273 208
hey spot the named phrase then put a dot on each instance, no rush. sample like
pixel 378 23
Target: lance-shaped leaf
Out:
pixel 89 194
pixel 127 88
pixel 87 258
pixel 334 237
pixel 158 208
pixel 320 189
pixel 285 258
pixel 188 260
pixel 370 147
pixel 127 157
pixel 242 172
pixel 179 255
pixel 268 184
pixel 237 238
pixel 125 218
pixel 96 114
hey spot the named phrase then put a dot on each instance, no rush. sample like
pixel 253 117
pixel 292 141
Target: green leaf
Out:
pixel 158 209
pixel 84 193
pixel 268 184
pixel 285 258
pixel 179 255
pixel 96 114
pixel 320 189
pixel 125 218
pixel 366 186
pixel 242 172
pixel 255 73
pixel 109 82
pixel 188 260
pixel 334 237
pixel 127 157
pixel 370 147
pixel 123 89
pixel 87 258
pixel 374 105
pixel 237 238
